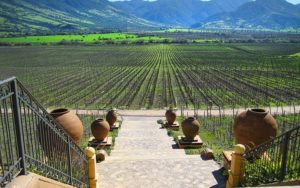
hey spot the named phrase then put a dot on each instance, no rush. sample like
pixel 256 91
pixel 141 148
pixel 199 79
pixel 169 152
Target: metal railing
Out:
pixel 31 140
pixel 274 161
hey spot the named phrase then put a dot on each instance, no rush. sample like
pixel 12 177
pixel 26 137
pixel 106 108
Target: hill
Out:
pixel 26 16
pixel 262 14
pixel 81 16
pixel 177 12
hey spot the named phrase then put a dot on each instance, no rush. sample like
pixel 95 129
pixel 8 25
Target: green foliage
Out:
pixel 160 121
pixel 263 171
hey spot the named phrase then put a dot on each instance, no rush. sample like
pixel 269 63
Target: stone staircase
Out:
pixel 144 156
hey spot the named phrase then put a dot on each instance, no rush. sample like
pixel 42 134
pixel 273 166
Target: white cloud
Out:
pixel 291 1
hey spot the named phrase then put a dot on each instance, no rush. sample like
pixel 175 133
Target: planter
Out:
pixel 254 127
pixel 111 117
pixel 170 116
pixel 69 122
pixel 100 129
pixel 190 128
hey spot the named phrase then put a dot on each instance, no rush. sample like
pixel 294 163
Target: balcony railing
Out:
pixel 31 140
pixel 277 160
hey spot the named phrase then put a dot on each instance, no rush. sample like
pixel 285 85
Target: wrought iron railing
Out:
pixel 274 161
pixel 31 140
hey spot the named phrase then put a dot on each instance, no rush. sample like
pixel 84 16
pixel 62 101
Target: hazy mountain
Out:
pixel 178 12
pixel 270 14
pixel 27 16
pixel 55 15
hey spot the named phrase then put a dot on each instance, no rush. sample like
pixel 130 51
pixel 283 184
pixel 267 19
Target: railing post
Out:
pixel 284 156
pixel 93 176
pixel 236 168
pixel 18 126
pixel 70 161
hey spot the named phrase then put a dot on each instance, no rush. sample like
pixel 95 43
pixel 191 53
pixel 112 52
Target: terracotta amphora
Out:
pixel 100 129
pixel 69 122
pixel 254 127
pixel 111 117
pixel 190 128
pixel 170 116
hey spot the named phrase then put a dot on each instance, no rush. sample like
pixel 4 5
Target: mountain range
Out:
pixel 27 16
pixel 262 14
pixel 66 15
pixel 178 12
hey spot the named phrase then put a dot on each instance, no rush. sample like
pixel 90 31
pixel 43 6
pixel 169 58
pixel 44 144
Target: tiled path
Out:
pixel 144 157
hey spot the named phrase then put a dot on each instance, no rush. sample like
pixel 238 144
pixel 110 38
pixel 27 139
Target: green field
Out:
pixel 158 75
pixel 296 54
pixel 89 38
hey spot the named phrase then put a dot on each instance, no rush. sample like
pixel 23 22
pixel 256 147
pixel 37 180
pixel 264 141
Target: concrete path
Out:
pixel 144 157
pixel 191 112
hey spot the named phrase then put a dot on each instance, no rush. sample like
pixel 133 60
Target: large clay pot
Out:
pixel 69 122
pixel 190 128
pixel 170 116
pixel 254 127
pixel 111 117
pixel 100 129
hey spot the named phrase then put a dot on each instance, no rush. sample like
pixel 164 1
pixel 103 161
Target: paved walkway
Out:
pixel 190 112
pixel 143 156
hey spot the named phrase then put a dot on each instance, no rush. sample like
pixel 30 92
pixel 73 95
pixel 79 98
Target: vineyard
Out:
pixel 158 75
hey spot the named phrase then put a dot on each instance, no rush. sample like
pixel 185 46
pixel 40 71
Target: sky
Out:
pixel 291 1
pixel 294 1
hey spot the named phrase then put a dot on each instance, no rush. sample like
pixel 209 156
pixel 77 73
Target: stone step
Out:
pixel 137 139
pixel 144 145
pixel 142 133
pixel 187 159
pixel 146 152
pixel 136 125
pixel 142 119
pixel 181 172
pixel 150 157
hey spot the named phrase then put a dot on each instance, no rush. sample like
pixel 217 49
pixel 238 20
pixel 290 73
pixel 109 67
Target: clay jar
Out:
pixel 190 128
pixel 100 129
pixel 69 122
pixel 111 117
pixel 254 127
pixel 170 116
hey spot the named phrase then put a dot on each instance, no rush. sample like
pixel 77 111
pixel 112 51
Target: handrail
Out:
pixel 7 80
pixel 31 140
